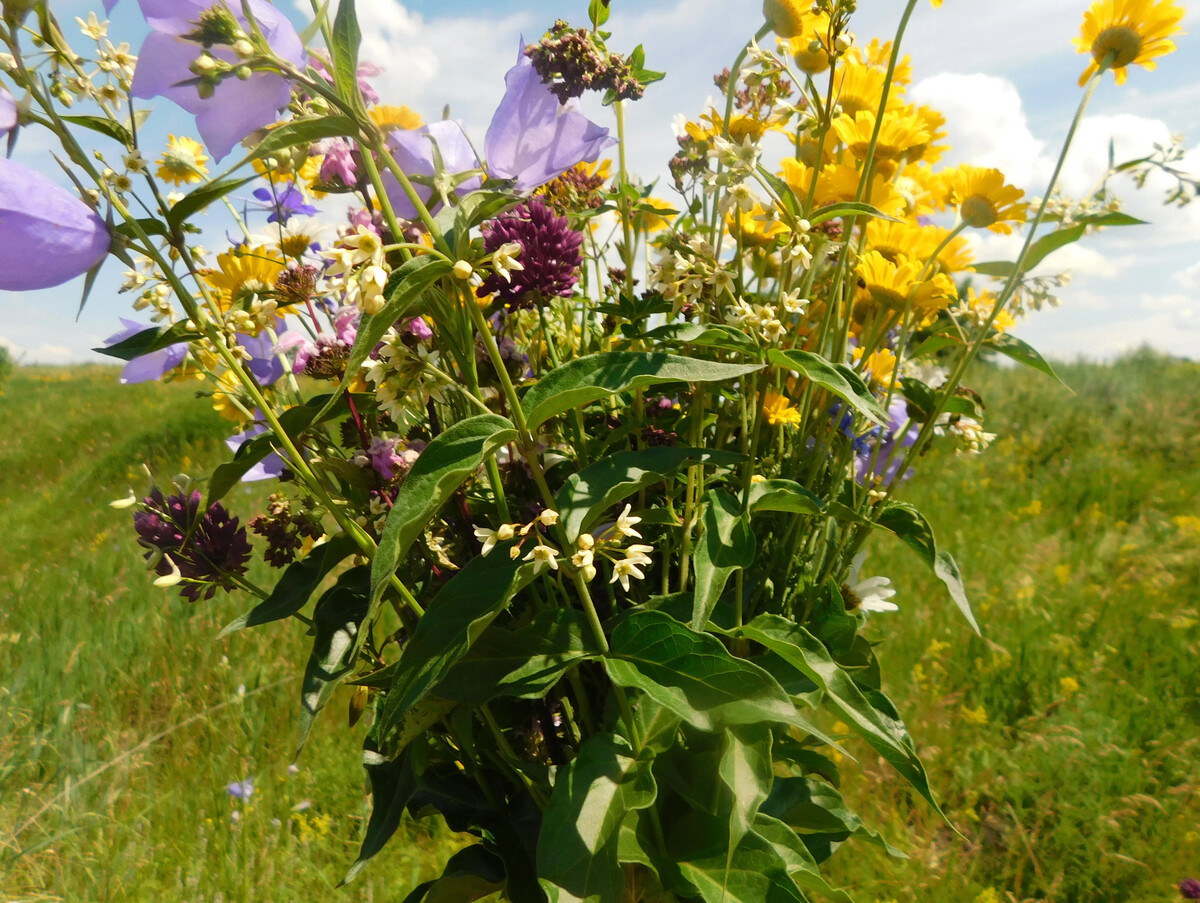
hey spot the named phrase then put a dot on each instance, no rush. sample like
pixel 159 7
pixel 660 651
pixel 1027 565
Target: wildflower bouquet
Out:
pixel 576 478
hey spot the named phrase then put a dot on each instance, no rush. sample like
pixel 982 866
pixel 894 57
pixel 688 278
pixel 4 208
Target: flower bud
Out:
pixel 463 270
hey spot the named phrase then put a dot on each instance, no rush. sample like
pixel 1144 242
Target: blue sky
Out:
pixel 1003 72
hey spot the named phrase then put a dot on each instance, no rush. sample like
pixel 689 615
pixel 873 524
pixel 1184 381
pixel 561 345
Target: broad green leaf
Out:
pixel 808 655
pixel 726 545
pixel 133 227
pixel 469 875
pixel 598 12
pixel 811 807
pixel 1052 241
pixel 910 526
pixel 442 467
pixel 294 422
pixel 798 861
pixel 347 37
pixel 847 208
pixel 201 197
pixel 473 209
pixel 1022 352
pixel 693 674
pixel 587 379
pixel 336 620
pixel 297 584
pixel 839 379
pixel 393 782
pixel 709 335
pixel 149 340
pixel 755 873
pixel 453 621
pixel 577 848
pixel 783 495
pixel 303 131
pixel 747 770
pixel 404 287
pixel 592 491
pixel 524 663
pixel 792 205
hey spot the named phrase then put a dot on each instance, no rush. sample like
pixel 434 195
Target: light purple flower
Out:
pixel 237 107
pixel 339 161
pixel 413 150
pixel 241 790
pixel 893 441
pixel 533 138
pixel 269 468
pixel 264 361
pixel 147 367
pixel 8 112
pixel 49 235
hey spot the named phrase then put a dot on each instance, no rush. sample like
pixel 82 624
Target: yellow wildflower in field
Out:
pixel 984 200
pixel 183 162
pixel 880 367
pixel 977 716
pixel 1069 686
pixel 898 133
pixel 778 410
pixel 1187 524
pixel 987 895
pixel 808 49
pixel 1118 33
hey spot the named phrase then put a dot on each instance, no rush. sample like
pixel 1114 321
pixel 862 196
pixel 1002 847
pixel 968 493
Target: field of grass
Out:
pixel 1064 743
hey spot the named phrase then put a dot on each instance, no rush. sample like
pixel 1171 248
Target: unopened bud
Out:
pixel 463 270
pixel 243 48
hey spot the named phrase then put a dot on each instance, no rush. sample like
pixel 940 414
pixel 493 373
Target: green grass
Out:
pixel 121 720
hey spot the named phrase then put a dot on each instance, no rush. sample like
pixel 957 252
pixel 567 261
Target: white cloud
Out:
pixel 1189 277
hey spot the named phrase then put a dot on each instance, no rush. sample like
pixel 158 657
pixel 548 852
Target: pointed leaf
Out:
pixel 747 770
pixel 149 340
pixel 839 379
pixel 784 495
pixel 201 197
pixel 1024 353
pixel 393 783
pixel 303 131
pixel 726 545
pixel 848 208
pixel 587 379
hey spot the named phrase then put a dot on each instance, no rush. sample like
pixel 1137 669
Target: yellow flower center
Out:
pixel 978 211
pixel 1118 45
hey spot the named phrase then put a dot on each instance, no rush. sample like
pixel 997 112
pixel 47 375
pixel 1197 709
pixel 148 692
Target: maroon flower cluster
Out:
pixel 570 62
pixel 550 255
pixel 207 549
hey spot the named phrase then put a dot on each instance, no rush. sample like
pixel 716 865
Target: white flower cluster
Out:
pixel 689 277
pixel 402 375
pixel 358 260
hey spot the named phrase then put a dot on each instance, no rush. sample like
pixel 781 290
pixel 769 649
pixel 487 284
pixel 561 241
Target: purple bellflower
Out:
pixel 236 108
pixel 269 468
pixel 50 235
pixel 413 150
pixel 284 201
pixel 147 367
pixel 886 465
pixel 532 138
pixel 264 362
pixel 8 112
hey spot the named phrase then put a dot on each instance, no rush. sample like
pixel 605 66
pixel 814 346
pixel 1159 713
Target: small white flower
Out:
pixel 625 523
pixel 487 537
pixel 504 261
pixel 542 555
pixel 623 570
pixel 793 303
pixel 874 592
pixel 548 517
pixel 583 558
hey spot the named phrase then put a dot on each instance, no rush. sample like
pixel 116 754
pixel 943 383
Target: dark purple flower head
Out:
pixel 284 201
pixel 1189 888
pixel 49 234
pixel 206 549
pixel 550 255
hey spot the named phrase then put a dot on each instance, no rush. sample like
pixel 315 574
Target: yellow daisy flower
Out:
pixel 860 87
pixel 778 410
pixel 839 183
pixel 786 17
pixel 880 367
pixel 897 134
pixel 388 117
pixel 877 55
pixel 183 162
pixel 930 151
pixel 890 284
pixel 712 124
pixel 757 228
pixel 984 201
pixel 244 272
pixel 808 48
pixel 1120 32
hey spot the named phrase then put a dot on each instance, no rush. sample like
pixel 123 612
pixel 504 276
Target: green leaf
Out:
pixel 452 622
pixel 336 619
pixel 598 12
pixel 592 491
pixel 693 675
pixel 798 861
pixel 442 467
pixel 404 287
pixel 910 526
pixel 104 126
pixel 1024 353
pixel 747 770
pixel 783 495
pixel 149 340
pixel 197 200
pixel 577 847
pixel 809 656
pixel 393 783
pixel 725 546
pixel 469 875
pixel 297 584
pixel 347 37
pixel 303 131
pixel 294 422
pixel 524 663
pixel 755 873
pixel 783 190
pixel 847 208
pixel 814 809
pixel 470 212
pixel 587 379
pixel 839 379
pixel 711 335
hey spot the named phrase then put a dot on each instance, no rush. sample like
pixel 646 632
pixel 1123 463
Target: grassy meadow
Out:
pixel 1064 743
